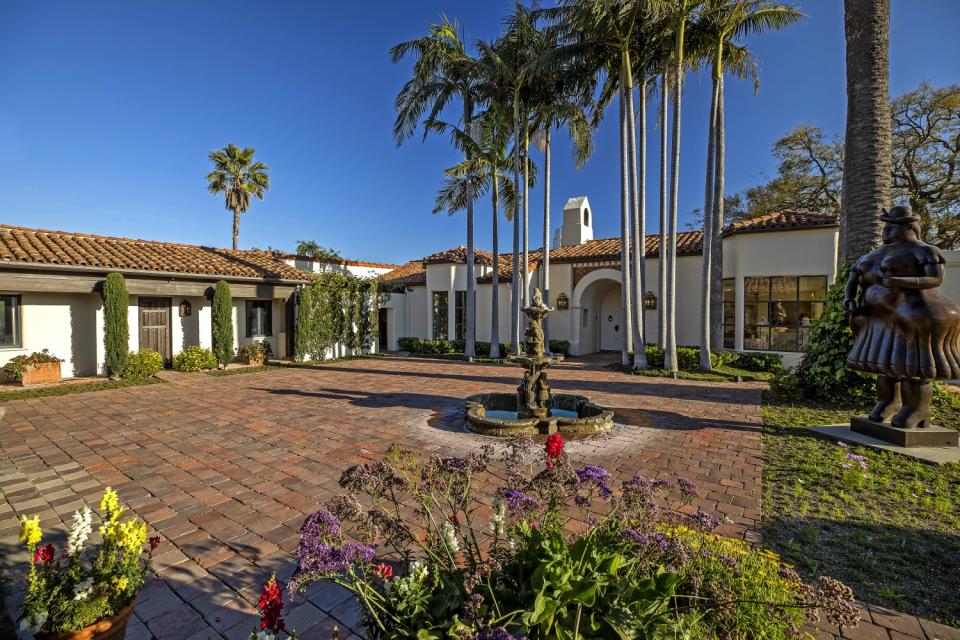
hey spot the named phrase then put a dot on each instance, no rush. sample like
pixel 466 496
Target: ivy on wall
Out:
pixel 336 309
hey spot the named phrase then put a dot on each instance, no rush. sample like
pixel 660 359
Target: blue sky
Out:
pixel 108 110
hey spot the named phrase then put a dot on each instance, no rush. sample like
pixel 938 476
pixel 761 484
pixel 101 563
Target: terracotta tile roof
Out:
pixel 43 247
pixel 343 263
pixel 782 221
pixel 506 267
pixel 689 243
pixel 411 274
pixel 458 255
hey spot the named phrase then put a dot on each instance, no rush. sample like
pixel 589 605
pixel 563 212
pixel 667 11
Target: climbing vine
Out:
pixel 336 310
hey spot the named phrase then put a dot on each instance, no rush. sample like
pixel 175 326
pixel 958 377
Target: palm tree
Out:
pixel 442 72
pixel 722 21
pixel 488 170
pixel 664 164
pixel 601 32
pixel 237 176
pixel 866 155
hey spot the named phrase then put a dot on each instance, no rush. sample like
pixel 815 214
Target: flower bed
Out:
pixel 455 565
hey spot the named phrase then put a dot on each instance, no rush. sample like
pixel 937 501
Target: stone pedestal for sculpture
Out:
pixel 905 331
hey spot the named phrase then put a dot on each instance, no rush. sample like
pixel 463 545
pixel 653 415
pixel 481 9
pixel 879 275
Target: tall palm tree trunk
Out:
pixel 236 227
pixel 525 283
pixel 495 292
pixel 866 155
pixel 626 337
pixel 716 254
pixel 707 261
pixel 662 251
pixel 515 284
pixel 545 263
pixel 471 335
pixel 638 272
pixel 670 355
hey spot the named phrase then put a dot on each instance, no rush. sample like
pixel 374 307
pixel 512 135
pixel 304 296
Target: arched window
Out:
pixel 586 217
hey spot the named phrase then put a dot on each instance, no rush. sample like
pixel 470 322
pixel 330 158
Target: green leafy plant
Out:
pixel 143 364
pixel 194 358
pixel 336 309
pixel 15 367
pixel 222 323
pixel 560 346
pixel 256 351
pixel 461 566
pixel 69 591
pixel 753 361
pixel 116 331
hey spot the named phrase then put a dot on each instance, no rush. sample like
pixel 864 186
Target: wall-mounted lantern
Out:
pixel 563 302
pixel 650 301
pixel 185 308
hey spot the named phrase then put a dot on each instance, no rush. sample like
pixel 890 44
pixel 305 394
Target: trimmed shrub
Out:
pixel 409 344
pixel 560 346
pixel 116 332
pixel 222 323
pixel 193 359
pixel 688 358
pixel 768 362
pixel 142 364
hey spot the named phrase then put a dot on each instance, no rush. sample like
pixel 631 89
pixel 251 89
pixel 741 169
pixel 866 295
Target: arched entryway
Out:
pixel 598 324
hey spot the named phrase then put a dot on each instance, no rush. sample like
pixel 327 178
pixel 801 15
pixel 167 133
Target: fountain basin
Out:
pixel 490 414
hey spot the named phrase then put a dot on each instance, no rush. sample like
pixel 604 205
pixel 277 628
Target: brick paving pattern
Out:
pixel 225 469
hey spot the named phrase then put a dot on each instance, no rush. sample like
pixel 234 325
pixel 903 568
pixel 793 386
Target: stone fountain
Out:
pixel 534 409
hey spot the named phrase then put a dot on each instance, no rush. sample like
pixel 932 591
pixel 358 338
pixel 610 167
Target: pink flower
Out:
pixel 383 571
pixel 44 554
pixel 553 448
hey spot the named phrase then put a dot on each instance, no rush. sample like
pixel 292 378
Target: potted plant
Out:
pixel 255 353
pixel 75 595
pixel 36 368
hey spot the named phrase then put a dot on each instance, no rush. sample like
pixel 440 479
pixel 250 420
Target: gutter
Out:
pixel 171 275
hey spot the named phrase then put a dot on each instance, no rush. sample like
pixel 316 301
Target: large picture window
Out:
pixel 259 318
pixel 440 315
pixel 460 316
pixel 9 321
pixel 778 311
pixel 729 314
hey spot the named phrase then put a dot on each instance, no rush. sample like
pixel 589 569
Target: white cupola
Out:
pixel 577 222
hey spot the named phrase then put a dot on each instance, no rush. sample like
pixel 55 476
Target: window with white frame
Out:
pixel 10 321
pixel 259 318
pixel 778 311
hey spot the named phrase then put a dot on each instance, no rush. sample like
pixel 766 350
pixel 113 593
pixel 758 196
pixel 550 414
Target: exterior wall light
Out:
pixel 563 302
pixel 186 309
pixel 650 301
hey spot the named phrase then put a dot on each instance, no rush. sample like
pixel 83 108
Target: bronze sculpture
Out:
pixel 904 329
pixel 533 394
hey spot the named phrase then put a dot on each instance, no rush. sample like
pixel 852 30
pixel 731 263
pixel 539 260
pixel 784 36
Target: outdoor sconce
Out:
pixel 185 308
pixel 650 301
pixel 563 302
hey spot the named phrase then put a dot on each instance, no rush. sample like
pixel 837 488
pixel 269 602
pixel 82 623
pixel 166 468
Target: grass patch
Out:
pixel 219 373
pixel 70 389
pixel 723 373
pixel 891 531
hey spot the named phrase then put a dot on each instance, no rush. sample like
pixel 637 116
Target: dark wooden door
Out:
pixel 155 326
pixel 382 327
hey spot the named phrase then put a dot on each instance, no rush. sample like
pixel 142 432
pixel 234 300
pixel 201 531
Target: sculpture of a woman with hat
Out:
pixel 904 329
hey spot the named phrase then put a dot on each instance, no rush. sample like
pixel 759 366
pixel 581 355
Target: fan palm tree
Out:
pixel 664 165
pixel 866 154
pixel 237 176
pixel 443 71
pixel 488 170
pixel 719 24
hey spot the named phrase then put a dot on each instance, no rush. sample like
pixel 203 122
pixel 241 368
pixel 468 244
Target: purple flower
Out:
pixel 455 464
pixel 582 501
pixel 320 525
pixel 841 443
pixel 704 521
pixel 852 457
pixel 632 535
pixel 319 555
pixel 687 488
pixel 592 473
pixel 496 633
pixel 638 485
pixel 662 541
pixel 730 562
pixel 518 502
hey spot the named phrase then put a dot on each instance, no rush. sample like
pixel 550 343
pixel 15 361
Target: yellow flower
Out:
pixel 30 532
pixel 120 583
pixel 133 535
pixel 110 504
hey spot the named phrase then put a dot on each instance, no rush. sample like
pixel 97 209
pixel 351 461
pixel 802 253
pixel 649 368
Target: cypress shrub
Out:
pixel 222 323
pixel 303 329
pixel 116 332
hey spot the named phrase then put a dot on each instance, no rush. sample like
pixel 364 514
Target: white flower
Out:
pixel 265 635
pixel 449 535
pixel 80 531
pixel 498 517
pixel 83 589
pixel 418 570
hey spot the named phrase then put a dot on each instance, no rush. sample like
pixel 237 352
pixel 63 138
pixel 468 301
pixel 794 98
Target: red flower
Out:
pixel 383 571
pixel 271 606
pixel 532 523
pixel 454 520
pixel 154 542
pixel 44 554
pixel 553 448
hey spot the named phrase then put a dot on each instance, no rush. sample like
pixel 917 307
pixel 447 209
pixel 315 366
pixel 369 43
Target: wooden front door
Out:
pixel 155 326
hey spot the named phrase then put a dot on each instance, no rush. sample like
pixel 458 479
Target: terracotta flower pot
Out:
pixel 40 373
pixel 256 360
pixel 113 629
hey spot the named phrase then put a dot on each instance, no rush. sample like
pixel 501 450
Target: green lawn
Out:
pixel 20 393
pixel 722 373
pixel 891 532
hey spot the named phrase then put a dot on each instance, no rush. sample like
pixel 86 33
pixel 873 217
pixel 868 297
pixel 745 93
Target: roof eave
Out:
pixel 69 268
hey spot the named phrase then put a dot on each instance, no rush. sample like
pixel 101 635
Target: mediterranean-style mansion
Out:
pixel 776 270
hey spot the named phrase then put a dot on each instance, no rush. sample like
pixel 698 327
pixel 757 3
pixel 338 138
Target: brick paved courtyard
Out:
pixel 225 469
